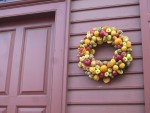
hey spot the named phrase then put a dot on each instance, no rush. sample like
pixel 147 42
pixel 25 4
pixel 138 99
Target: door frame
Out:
pixel 57 101
pixel 25 2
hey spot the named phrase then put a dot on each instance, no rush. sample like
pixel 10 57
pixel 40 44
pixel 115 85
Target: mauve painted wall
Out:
pixel 123 95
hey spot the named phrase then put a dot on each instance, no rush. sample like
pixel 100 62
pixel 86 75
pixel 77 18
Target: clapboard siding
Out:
pixel 124 96
pixel 92 4
pixel 106 109
pixel 122 82
pixel 124 24
pixel 135 67
pixel 137 53
pixel 109 13
pixel 134 36
pixel 125 93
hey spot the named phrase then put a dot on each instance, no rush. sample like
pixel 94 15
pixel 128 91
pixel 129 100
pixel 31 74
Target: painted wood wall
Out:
pixel 122 95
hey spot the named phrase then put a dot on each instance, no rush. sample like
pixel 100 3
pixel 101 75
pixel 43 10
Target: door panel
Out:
pixel 148 5
pixel 3 110
pixel 31 110
pixel 6 45
pixel 35 53
pixel 26 66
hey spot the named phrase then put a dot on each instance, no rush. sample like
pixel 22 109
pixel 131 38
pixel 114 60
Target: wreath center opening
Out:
pixel 104 52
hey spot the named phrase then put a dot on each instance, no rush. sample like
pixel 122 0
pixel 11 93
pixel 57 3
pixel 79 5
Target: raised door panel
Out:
pixel 3 110
pixel 6 47
pixel 31 110
pixel 34 66
pixel 148 6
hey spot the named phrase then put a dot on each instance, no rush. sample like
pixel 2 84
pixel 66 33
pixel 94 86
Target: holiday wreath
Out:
pixel 104 70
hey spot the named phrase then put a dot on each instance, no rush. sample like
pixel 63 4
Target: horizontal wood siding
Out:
pixel 126 24
pixel 108 50
pixel 126 96
pixel 124 82
pixel 108 13
pixel 135 37
pixel 125 93
pixel 105 108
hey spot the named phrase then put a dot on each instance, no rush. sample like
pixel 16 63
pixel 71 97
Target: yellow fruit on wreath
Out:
pixel 105 70
pixel 118 41
pixel 87 41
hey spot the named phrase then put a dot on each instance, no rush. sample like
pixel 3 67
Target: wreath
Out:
pixel 104 70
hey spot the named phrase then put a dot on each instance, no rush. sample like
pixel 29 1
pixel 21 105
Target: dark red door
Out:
pixel 25 66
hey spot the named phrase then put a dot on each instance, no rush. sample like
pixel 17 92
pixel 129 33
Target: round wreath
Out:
pixel 105 70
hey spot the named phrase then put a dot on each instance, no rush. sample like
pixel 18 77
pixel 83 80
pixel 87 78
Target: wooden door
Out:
pixel 26 65
pixel 32 67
